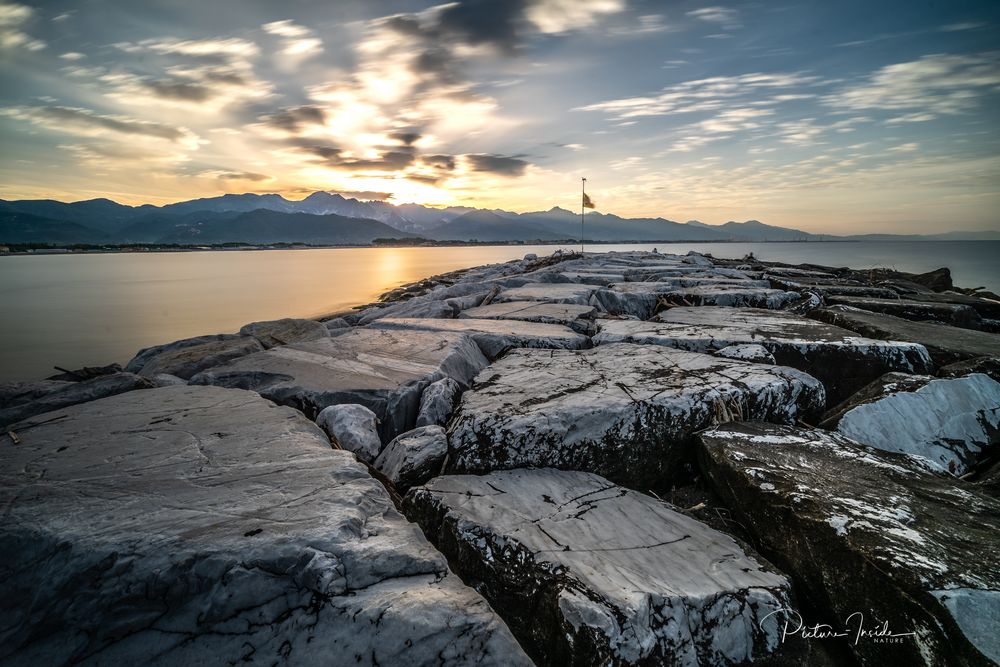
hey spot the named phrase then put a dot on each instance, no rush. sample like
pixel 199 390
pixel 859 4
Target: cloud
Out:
pixel 224 47
pixel 295 119
pixel 905 148
pixel 934 85
pixel 500 165
pixel 704 95
pixel 364 195
pixel 236 176
pixel 179 90
pixel 12 19
pixel 299 42
pixel 723 16
pixel 560 16
pixel 74 120
pixel 72 56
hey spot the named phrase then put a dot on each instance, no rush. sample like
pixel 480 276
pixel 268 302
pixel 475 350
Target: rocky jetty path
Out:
pixel 583 459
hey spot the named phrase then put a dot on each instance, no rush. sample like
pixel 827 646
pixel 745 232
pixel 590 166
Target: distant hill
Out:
pixel 264 226
pixel 331 219
pixel 488 226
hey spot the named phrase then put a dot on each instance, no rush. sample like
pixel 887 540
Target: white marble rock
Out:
pixel 353 427
pixel 437 402
pixel 413 457
pixel 867 531
pixel 386 371
pixel 590 573
pixel 627 412
pixel 747 352
pixel 844 361
pixel 549 292
pixel 952 422
pixel 201 525
pixel 577 317
pixel 494 336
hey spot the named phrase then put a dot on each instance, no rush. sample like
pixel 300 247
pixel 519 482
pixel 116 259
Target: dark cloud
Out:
pixel 499 23
pixel 391 160
pixel 446 162
pixel 294 119
pixel 179 90
pixel 405 138
pixel 497 164
pixel 242 176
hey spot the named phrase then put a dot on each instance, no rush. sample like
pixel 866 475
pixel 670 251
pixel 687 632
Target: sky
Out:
pixel 838 117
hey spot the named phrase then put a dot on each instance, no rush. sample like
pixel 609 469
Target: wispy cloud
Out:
pixel 299 42
pixel 13 18
pixel 931 86
pixel 726 17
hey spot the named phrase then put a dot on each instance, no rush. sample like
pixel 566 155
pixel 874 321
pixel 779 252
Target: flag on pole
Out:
pixel 587 201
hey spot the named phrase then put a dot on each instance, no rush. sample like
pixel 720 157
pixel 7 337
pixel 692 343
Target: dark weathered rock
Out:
pixel 495 337
pixel 946 344
pixel 143 356
pixel 623 411
pixel 589 573
pixel 985 365
pixel 868 532
pixel 437 402
pixel 987 308
pixel 86 373
pixel 844 362
pixel 577 317
pixel 413 457
pixel 189 360
pixel 73 393
pixel 284 331
pixel 953 422
pixel 16 393
pixel 386 371
pixel 352 427
pixel 640 299
pixel 948 313
pixel 199 525
pixel 731 295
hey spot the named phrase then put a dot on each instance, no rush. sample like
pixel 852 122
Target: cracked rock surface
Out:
pixel 495 336
pixel 623 411
pixel 590 573
pixel 953 422
pixel 731 295
pixel 413 457
pixel 863 530
pixel 384 370
pixel 284 331
pixel 40 397
pixel 201 525
pixel 844 361
pixel 577 317
pixel 549 292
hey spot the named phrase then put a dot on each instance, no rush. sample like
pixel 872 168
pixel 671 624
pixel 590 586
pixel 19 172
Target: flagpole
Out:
pixel 583 199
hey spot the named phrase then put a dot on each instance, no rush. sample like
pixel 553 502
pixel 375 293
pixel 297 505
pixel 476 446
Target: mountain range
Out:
pixel 325 218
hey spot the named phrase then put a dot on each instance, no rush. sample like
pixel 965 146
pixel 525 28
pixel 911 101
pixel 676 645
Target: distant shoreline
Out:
pixel 23 250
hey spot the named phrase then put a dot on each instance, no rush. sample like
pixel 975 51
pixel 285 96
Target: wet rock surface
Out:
pixel 495 336
pixel 952 422
pixel 843 361
pixel 590 573
pixel 946 344
pixel 284 331
pixel 56 396
pixel 200 525
pixel 871 532
pixel 626 412
pixel 949 313
pixel 386 371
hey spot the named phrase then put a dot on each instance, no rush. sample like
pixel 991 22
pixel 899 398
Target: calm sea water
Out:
pixel 77 310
